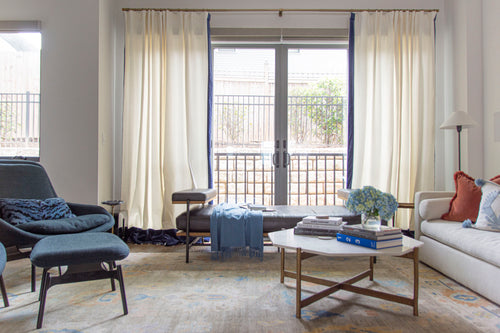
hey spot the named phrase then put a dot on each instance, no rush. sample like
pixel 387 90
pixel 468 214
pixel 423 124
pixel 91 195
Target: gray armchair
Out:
pixel 20 179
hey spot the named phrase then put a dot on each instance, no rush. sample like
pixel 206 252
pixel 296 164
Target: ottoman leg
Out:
pixel 112 266
pixel 122 289
pixel 4 292
pixel 33 278
pixel 43 296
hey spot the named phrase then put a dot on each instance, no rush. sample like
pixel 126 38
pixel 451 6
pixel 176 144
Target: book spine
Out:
pixel 372 237
pixel 314 232
pixel 357 241
pixel 322 222
pixel 368 232
pixel 319 226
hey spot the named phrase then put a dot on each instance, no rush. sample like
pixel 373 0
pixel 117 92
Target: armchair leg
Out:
pixel 4 292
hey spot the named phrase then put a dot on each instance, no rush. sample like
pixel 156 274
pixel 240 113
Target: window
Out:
pixel 20 46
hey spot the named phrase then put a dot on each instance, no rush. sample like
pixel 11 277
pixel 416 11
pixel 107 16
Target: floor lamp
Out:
pixel 458 120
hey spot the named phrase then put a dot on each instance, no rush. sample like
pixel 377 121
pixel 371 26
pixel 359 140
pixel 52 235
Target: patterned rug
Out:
pixel 243 294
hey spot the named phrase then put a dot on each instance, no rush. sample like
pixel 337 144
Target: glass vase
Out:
pixel 370 221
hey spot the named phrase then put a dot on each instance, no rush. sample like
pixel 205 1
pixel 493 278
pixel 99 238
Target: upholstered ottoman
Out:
pixel 84 254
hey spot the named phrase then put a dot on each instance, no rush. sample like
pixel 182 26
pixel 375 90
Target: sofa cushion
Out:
pixel 20 211
pixel 465 203
pixel 431 209
pixel 65 226
pixel 477 243
pixel 489 210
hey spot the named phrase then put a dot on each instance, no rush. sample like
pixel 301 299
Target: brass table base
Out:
pixel 347 285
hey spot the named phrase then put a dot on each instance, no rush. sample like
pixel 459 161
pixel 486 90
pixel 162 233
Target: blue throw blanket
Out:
pixel 235 229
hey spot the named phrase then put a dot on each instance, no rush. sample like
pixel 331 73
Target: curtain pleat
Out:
pixel 394 104
pixel 164 117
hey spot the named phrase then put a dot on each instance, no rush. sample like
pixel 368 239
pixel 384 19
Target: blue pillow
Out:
pixel 20 211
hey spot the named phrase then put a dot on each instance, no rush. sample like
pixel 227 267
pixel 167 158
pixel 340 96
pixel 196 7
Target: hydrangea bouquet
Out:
pixel 372 203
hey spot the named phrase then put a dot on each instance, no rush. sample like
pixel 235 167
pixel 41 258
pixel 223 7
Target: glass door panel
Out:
pixel 317 117
pixel 243 124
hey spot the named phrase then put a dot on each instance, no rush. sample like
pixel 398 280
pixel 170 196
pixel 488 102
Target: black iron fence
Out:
pixel 242 120
pixel 244 127
pixel 313 178
pixel 19 119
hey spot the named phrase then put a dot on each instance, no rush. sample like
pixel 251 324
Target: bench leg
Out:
pixel 187 231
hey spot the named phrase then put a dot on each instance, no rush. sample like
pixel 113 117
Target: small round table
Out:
pixel 113 204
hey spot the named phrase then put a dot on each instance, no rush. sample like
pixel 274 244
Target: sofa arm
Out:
pixel 425 195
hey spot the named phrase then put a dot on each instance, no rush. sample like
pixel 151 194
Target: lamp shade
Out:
pixel 458 118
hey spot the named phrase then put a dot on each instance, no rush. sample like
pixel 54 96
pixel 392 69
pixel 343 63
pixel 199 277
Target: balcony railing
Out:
pixel 244 125
pixel 19 124
pixel 313 178
pixel 242 120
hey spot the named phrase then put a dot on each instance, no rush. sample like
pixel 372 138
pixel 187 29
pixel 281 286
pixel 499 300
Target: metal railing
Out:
pixel 313 178
pixel 242 120
pixel 244 124
pixel 19 120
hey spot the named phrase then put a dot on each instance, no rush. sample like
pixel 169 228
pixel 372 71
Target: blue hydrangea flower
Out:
pixel 372 202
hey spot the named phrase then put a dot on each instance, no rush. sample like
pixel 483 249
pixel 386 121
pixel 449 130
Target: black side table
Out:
pixel 113 204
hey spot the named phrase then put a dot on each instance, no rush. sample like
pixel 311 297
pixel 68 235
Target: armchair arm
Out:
pixel 424 195
pixel 83 209
pixel 13 236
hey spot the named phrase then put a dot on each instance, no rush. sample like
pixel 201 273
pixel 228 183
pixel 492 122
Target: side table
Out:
pixel 113 204
pixel 188 197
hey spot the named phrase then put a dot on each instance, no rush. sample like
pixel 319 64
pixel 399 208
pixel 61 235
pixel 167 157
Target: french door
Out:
pixel 278 115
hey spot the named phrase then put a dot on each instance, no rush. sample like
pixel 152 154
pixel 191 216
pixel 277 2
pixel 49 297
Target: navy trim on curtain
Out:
pixel 209 107
pixel 350 111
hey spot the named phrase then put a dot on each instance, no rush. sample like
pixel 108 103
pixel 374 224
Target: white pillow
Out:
pixel 433 209
pixel 489 209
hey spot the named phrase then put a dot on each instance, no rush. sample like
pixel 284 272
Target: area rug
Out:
pixel 242 294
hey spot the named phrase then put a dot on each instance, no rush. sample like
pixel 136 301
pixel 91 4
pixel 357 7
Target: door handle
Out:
pixel 276 160
pixel 286 159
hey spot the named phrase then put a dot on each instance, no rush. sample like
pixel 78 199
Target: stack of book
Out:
pixel 381 237
pixel 319 226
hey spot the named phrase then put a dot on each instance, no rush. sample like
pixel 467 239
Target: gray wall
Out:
pixel 69 91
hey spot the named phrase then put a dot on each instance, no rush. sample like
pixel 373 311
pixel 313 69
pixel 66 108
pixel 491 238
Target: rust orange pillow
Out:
pixel 465 203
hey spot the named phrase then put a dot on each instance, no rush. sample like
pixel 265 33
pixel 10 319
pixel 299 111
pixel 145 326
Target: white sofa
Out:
pixel 469 256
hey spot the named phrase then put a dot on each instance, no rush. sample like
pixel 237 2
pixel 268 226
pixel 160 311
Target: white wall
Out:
pixel 491 57
pixel 69 91
pixel 82 64
pixel 106 128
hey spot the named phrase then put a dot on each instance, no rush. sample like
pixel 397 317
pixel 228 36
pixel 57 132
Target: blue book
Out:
pixel 372 244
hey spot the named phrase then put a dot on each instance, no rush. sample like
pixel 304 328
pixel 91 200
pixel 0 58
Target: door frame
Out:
pixel 280 103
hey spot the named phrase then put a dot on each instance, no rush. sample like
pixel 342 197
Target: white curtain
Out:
pixel 394 87
pixel 165 113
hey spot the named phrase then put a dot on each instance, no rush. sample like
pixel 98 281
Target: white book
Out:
pixel 332 220
pixel 303 225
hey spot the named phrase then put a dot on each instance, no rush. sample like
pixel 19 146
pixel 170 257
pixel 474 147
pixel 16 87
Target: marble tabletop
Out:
pixel 331 247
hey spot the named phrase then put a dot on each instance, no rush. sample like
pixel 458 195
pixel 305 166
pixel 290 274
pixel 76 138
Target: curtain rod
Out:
pixel 280 11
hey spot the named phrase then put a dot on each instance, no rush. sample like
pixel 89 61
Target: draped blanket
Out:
pixel 236 230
